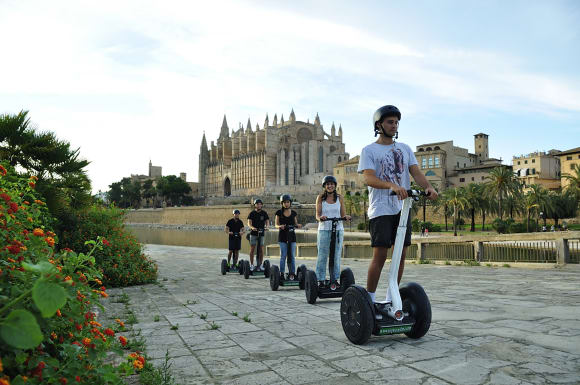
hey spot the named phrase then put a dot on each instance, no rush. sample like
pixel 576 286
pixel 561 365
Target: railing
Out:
pixel 558 247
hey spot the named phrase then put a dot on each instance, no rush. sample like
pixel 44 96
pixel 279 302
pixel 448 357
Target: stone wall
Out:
pixel 202 215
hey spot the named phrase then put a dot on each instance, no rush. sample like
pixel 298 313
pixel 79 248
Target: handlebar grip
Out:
pixel 412 193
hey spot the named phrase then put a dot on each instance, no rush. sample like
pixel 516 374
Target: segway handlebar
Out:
pixel 413 193
pixel 333 219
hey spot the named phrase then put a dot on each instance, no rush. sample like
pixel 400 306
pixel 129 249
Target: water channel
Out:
pixel 217 239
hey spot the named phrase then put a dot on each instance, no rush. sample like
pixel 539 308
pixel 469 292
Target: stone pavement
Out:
pixel 490 326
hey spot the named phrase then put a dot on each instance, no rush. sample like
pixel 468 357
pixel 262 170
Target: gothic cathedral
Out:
pixel 282 157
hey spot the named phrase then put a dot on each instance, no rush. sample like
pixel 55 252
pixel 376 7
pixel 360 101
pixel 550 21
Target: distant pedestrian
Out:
pixel 426 232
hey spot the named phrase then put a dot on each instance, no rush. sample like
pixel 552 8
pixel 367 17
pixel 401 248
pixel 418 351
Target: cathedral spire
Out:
pixel 292 116
pixel 257 127
pixel 225 131
pixel 275 121
pixel 203 145
pixel 317 120
pixel 249 126
pixel 333 130
pixel 282 120
pixel 340 130
pixel 266 122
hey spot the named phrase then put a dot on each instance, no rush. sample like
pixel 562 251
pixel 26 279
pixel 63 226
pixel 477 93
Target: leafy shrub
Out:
pixel 433 228
pixel 48 331
pixel 518 227
pixel 121 260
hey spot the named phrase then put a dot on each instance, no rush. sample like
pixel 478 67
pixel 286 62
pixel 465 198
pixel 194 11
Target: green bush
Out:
pixel 121 259
pixel 361 226
pixel 416 226
pixel 48 331
pixel 502 226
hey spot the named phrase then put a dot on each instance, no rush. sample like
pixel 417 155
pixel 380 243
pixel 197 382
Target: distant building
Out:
pixel 347 176
pixel 542 168
pixel 282 157
pixel 569 159
pixel 446 165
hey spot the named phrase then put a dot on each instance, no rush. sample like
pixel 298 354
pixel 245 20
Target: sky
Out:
pixel 127 82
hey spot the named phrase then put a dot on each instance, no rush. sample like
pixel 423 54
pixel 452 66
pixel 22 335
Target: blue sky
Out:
pixel 132 81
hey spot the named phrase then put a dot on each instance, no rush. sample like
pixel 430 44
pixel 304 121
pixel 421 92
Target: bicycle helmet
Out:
pixel 383 112
pixel 285 197
pixel 329 178
pixel 256 201
pixel 236 211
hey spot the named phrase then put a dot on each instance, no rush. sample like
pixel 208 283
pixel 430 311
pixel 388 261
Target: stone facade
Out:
pixel 541 168
pixel 568 160
pixel 347 176
pixel 446 165
pixel 283 157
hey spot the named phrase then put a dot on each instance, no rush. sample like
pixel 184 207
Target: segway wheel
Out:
pixel 266 268
pixel 416 303
pixel 356 315
pixel 246 269
pixel 301 276
pixel 274 277
pixel 241 266
pixel 224 266
pixel 311 287
pixel 346 278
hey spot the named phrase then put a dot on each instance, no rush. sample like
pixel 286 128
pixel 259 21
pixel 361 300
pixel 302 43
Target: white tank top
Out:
pixel 330 211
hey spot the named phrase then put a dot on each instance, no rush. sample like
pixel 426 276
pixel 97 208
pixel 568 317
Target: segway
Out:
pixel 409 312
pixel 276 280
pixel 227 268
pixel 328 288
pixel 265 270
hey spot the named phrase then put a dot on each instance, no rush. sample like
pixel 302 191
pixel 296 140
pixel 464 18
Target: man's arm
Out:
pixel 422 181
pixel 372 180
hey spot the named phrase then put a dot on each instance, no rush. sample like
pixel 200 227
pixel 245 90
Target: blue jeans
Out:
pixel 284 254
pixel 323 252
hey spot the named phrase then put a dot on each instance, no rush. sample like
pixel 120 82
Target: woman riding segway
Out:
pixel 286 221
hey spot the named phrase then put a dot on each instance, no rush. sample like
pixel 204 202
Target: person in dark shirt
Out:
pixel 234 227
pixel 286 221
pixel 257 220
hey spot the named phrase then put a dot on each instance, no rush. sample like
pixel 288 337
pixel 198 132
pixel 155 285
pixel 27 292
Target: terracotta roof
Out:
pixel 572 151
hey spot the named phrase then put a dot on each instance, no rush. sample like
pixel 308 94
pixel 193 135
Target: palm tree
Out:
pixel 563 205
pixel 455 198
pixel 441 203
pixel 514 202
pixel 542 198
pixel 574 179
pixel 529 204
pixel 473 193
pixel 501 182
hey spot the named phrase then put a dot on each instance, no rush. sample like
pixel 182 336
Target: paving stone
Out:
pixel 486 327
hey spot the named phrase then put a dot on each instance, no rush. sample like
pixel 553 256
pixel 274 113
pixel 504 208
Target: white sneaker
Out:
pixel 252 268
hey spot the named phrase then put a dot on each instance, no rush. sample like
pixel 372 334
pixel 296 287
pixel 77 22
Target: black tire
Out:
pixel 246 269
pixel 267 268
pixel 311 287
pixel 416 303
pixel 346 278
pixel 224 266
pixel 356 315
pixel 274 277
pixel 241 266
pixel 301 276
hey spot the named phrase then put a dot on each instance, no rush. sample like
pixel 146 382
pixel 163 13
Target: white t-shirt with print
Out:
pixel 391 163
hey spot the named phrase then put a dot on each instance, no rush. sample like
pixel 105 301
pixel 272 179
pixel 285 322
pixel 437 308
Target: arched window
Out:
pixel 339 159
pixel 428 149
pixel 437 148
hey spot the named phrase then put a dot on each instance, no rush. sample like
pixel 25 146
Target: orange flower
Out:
pixel 86 341
pixel 49 241
pixel 58 313
pixel 1 366
pixel 38 232
pixel 110 332
pixel 3 170
pixel 123 340
pixel 104 295
pixel 4 381
pixel 32 184
pixel 133 355
pixel 137 364
pixel 33 177
pixel 53 335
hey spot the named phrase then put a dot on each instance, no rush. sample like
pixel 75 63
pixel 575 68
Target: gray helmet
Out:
pixel 383 112
pixel 256 201
pixel 236 211
pixel 284 198
pixel 329 178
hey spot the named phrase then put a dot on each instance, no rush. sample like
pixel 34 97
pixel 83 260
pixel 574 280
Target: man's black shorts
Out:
pixel 383 231
pixel 235 243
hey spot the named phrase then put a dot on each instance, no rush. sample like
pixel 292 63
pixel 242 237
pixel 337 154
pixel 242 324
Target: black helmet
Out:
pixel 236 211
pixel 256 201
pixel 329 178
pixel 382 112
pixel 284 198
